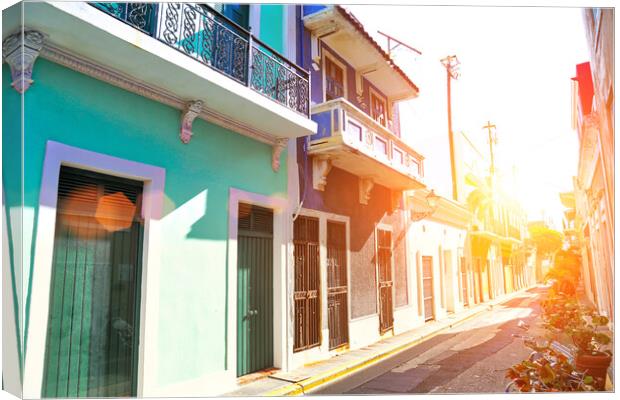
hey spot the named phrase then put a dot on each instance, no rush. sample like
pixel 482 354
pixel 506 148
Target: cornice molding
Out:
pixel 103 73
pixel 447 212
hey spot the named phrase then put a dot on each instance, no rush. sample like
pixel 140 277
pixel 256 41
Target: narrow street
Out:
pixel 471 357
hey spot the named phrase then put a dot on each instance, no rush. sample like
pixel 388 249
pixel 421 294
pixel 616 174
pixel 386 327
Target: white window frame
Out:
pixel 57 155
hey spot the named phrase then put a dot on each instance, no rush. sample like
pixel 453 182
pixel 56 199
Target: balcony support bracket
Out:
pixel 396 196
pixel 276 151
pixel 191 111
pixel 321 165
pixel 365 187
pixel 20 51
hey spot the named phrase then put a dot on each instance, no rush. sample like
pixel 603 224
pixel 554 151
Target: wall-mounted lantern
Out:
pixel 432 201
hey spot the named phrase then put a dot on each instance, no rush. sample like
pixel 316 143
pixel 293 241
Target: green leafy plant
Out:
pixel 586 332
pixel 583 325
pixel 547 371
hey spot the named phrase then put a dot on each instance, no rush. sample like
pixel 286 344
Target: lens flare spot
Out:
pixel 115 212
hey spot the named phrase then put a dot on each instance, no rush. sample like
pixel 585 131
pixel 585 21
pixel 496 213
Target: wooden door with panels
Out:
pixel 464 280
pixel 334 80
pixel 378 108
pixel 427 287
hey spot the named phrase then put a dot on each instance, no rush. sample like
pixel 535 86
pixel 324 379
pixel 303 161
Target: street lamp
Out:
pixel 432 201
pixel 451 64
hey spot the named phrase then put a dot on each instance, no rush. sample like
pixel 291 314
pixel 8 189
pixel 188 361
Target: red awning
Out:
pixel 586 87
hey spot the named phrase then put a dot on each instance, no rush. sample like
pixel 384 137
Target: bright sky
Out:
pixel 516 65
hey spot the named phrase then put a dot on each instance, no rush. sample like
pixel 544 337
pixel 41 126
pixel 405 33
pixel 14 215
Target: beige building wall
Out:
pixel 595 180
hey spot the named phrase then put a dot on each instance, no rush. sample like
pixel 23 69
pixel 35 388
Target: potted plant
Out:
pixel 546 370
pixel 591 358
pixel 566 320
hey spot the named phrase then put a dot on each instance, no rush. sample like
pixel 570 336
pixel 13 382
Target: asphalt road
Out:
pixel 468 358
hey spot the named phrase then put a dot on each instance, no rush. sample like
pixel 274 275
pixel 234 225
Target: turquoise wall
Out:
pixel 71 108
pixel 271 23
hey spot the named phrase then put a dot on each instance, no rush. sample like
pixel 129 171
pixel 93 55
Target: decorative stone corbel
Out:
pixel 321 165
pixel 192 110
pixel 591 126
pixel 365 187
pixel 276 151
pixel 20 51
pixel 395 196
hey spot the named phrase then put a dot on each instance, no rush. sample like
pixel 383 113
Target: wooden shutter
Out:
pixel 427 288
pixel 334 80
pixel 307 283
pixel 464 281
pixel 93 323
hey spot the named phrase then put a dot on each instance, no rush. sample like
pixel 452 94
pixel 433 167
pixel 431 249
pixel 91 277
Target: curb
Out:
pixel 609 387
pixel 309 384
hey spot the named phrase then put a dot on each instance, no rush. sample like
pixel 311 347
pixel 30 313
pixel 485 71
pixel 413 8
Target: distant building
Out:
pixel 593 119
pixel 496 240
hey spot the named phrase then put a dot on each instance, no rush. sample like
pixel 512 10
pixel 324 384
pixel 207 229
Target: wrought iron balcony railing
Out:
pixel 205 35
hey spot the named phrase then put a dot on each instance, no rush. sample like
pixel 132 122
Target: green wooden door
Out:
pixel 254 289
pixel 92 333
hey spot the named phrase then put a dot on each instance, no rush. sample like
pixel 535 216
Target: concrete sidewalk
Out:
pixel 310 377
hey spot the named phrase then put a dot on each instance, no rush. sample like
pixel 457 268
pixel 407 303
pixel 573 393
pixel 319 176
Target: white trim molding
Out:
pixel 10 345
pixel 254 19
pixel 322 351
pixel 56 155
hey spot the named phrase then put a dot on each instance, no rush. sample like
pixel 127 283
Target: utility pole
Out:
pixel 492 141
pixel 391 48
pixel 451 63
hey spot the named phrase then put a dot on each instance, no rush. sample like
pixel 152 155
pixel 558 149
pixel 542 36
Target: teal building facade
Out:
pixel 146 176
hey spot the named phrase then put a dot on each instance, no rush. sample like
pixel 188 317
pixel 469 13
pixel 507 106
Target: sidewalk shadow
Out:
pixel 428 375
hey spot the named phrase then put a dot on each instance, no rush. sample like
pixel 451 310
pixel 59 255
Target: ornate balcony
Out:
pixel 203 34
pixel 351 140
